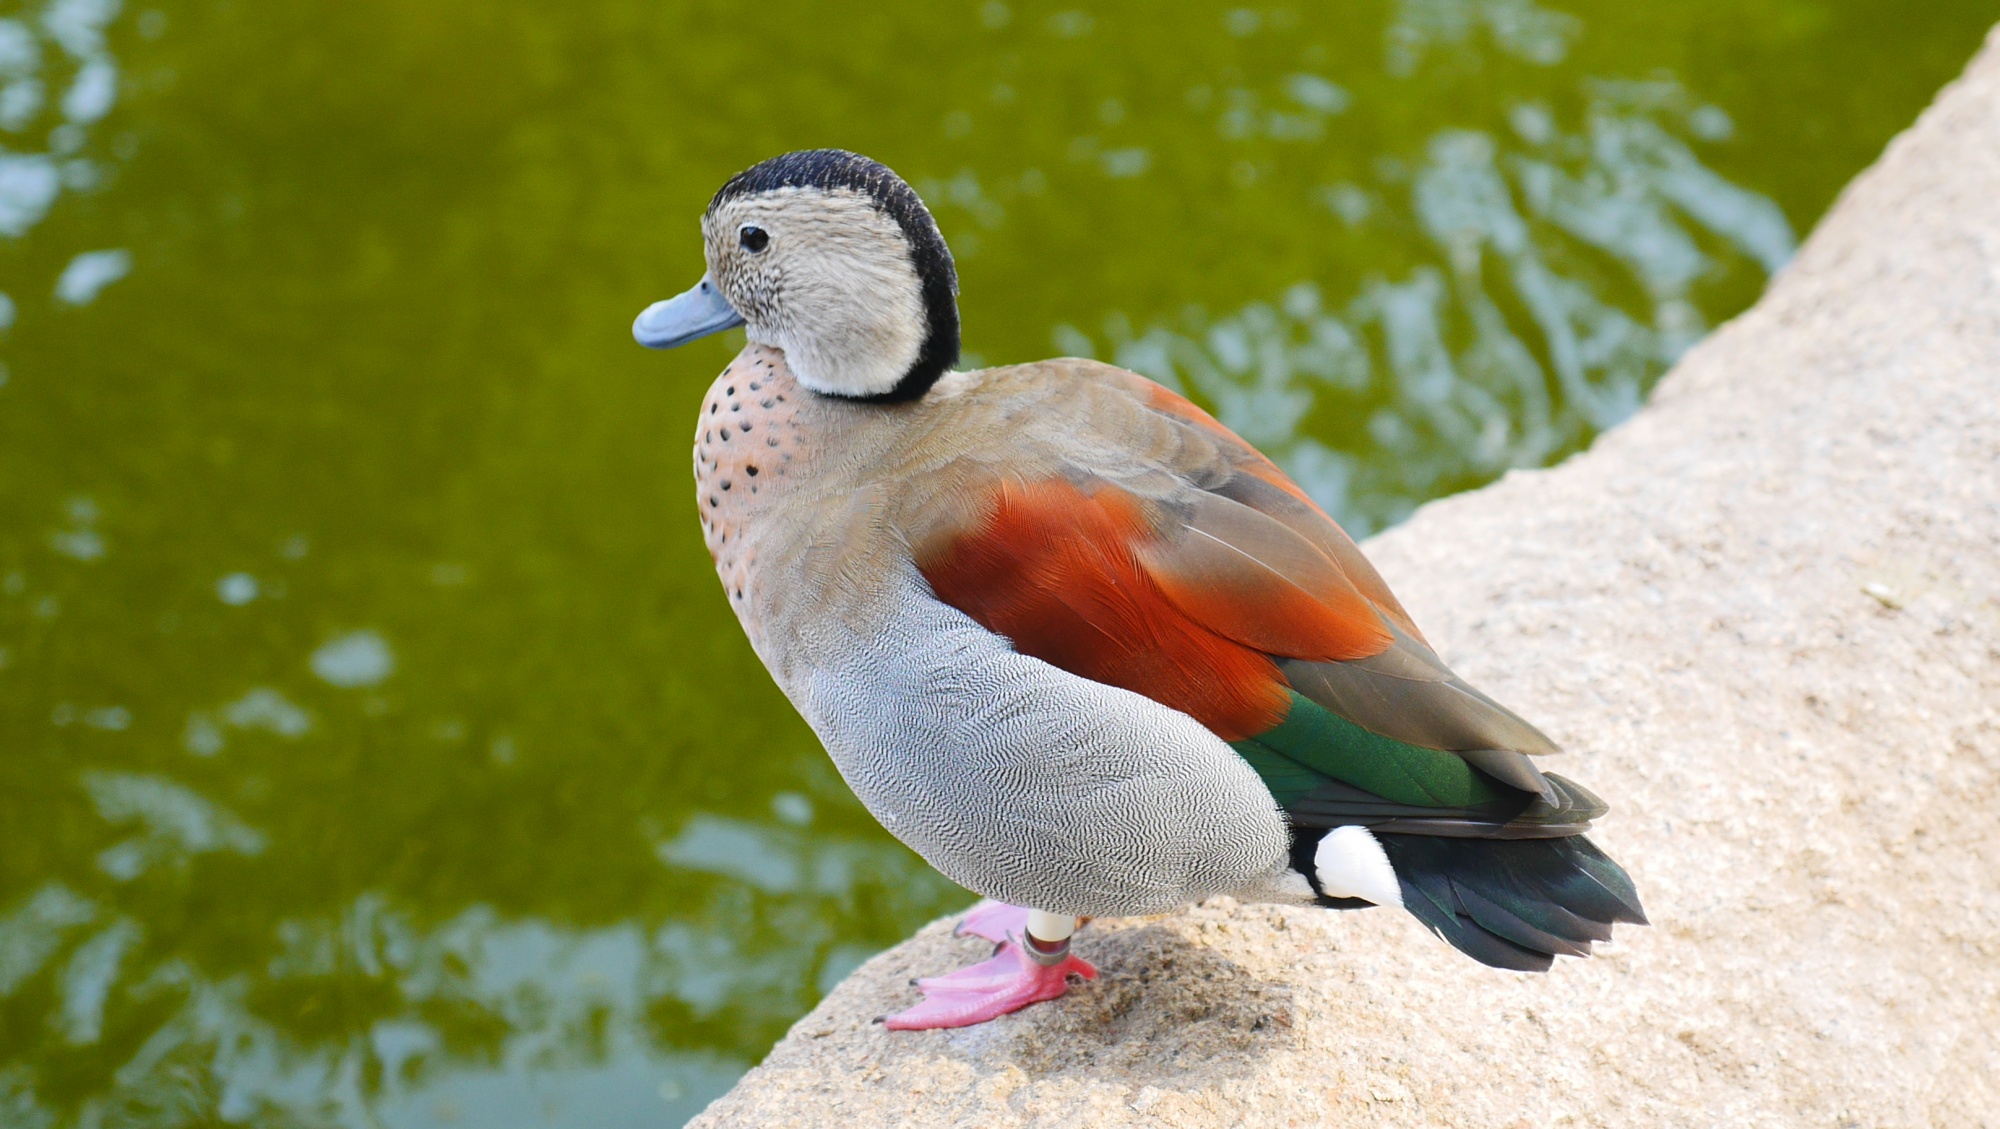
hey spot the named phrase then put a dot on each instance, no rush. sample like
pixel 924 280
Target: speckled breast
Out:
pixel 744 447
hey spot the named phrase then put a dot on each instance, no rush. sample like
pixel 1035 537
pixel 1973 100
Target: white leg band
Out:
pixel 1048 927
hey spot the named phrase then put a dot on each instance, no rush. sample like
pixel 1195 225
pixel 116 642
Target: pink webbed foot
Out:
pixel 995 921
pixel 1008 981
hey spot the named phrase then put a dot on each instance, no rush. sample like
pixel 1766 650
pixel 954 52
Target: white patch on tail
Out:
pixel 1351 864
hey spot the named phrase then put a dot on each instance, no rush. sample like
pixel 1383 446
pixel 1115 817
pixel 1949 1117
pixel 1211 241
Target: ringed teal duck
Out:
pixel 1072 640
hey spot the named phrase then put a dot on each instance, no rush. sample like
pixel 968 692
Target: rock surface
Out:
pixel 1763 617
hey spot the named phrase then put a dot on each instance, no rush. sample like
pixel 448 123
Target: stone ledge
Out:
pixel 1763 617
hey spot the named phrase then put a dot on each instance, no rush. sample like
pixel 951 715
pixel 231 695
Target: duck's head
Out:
pixel 831 258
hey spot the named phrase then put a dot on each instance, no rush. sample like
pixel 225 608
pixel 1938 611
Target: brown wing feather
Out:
pixel 1225 552
pixel 1404 690
pixel 1252 579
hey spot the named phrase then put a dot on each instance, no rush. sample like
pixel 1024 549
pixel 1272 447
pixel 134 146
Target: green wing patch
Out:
pixel 1314 744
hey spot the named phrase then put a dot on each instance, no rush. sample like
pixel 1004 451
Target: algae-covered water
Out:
pixel 376 746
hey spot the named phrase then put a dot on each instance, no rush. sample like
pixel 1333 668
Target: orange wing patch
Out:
pixel 1102 585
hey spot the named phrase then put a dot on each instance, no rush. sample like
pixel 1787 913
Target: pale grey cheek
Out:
pixel 1027 784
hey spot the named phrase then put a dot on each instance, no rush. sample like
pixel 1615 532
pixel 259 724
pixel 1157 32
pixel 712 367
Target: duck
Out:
pixel 1077 644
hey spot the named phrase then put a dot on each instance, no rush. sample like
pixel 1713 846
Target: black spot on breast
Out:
pixel 752 469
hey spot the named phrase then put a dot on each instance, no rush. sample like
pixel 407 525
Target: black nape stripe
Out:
pixel 833 169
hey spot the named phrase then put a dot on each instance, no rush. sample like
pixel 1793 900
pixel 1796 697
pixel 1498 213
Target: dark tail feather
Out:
pixel 1513 903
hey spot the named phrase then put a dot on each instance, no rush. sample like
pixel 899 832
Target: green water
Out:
pixel 376 746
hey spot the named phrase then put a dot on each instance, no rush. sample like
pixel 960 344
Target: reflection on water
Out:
pixel 375 746
pixel 89 273
pixel 1564 283
pixel 57 81
pixel 365 1013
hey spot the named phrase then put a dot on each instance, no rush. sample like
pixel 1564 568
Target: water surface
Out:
pixel 376 746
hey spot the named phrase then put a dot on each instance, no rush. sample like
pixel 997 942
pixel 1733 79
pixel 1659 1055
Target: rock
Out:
pixel 1763 618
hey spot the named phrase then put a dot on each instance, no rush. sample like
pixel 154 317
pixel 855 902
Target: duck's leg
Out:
pixel 1033 963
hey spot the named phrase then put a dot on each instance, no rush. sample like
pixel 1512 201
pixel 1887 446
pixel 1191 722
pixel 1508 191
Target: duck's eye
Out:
pixel 754 239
